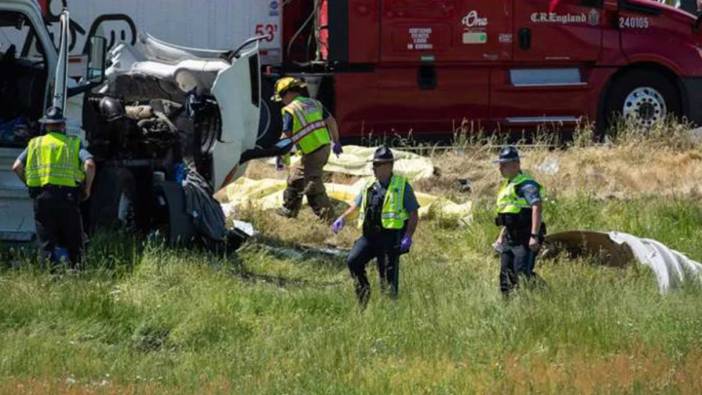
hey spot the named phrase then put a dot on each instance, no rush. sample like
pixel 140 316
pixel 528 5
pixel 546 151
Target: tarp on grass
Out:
pixel 267 194
pixel 671 268
pixel 356 161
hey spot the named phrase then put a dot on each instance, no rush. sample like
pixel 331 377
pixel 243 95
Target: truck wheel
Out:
pixel 642 97
pixel 112 200
pixel 270 122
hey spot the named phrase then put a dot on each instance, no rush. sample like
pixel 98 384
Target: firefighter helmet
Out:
pixel 285 84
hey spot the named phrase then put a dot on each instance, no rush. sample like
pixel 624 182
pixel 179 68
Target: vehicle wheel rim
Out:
pixel 644 106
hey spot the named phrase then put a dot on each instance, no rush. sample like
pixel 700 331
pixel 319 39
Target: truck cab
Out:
pixel 432 67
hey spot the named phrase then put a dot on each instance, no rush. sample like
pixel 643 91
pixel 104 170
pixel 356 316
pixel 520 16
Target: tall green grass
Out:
pixel 145 319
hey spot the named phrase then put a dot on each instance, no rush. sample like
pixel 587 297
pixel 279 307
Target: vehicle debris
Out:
pixel 550 166
pixel 162 106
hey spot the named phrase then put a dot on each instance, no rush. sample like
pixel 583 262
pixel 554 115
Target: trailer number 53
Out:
pixel 267 30
pixel 633 22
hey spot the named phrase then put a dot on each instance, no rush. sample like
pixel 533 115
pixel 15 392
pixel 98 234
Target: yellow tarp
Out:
pixel 267 194
pixel 356 161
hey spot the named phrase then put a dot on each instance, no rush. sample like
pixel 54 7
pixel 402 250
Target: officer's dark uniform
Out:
pixel 515 200
pixel 378 242
pixel 56 209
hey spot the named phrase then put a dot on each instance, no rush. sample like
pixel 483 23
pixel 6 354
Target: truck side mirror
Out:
pixel 97 60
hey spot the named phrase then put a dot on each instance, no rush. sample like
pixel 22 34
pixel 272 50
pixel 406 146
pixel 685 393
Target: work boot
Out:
pixel 292 201
pixel 321 206
pixel 363 296
pixel 388 289
pixel 286 212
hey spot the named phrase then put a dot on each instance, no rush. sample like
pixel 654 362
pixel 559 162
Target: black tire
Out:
pixel 270 121
pixel 647 108
pixel 110 185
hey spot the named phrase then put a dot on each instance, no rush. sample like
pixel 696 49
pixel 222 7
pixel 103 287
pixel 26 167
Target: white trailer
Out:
pixel 215 24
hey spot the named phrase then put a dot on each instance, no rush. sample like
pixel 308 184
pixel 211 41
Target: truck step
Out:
pixel 13 194
pixel 20 237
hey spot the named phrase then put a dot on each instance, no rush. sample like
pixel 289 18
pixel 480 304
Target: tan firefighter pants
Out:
pixel 306 179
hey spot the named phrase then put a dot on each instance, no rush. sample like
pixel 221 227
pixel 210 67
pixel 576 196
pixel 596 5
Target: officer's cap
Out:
pixel 383 155
pixel 508 154
pixel 53 115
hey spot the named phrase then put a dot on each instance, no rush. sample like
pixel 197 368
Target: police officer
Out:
pixel 519 214
pixel 59 173
pixel 388 218
pixel 312 129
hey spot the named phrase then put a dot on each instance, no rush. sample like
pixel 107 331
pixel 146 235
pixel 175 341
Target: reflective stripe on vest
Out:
pixel 394 214
pixel 53 159
pixel 508 202
pixel 309 129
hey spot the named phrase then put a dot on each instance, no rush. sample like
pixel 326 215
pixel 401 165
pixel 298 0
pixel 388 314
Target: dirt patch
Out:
pixel 606 172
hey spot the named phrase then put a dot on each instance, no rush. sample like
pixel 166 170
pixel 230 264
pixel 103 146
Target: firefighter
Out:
pixel 388 218
pixel 59 173
pixel 313 130
pixel 519 208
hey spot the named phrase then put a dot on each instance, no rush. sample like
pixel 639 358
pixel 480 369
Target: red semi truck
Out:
pixel 426 66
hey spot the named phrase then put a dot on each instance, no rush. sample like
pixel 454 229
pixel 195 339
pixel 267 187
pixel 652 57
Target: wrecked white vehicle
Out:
pixel 167 125
pixel 165 111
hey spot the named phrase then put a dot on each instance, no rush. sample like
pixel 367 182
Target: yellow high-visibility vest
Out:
pixel 309 128
pixel 394 213
pixel 508 202
pixel 53 159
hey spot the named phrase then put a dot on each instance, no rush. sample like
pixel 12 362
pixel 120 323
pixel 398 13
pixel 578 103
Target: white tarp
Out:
pixel 671 268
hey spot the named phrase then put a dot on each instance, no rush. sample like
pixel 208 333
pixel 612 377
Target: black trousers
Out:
pixel 58 222
pixel 515 262
pixel 384 247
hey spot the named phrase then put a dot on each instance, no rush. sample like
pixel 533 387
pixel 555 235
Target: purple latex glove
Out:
pixel 279 164
pixel 338 225
pixel 338 149
pixel 406 243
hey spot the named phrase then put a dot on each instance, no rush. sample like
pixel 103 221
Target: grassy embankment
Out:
pixel 150 320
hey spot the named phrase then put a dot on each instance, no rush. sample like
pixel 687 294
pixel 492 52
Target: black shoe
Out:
pixel 286 212
pixel 363 296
